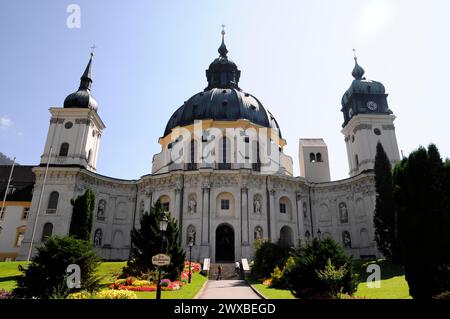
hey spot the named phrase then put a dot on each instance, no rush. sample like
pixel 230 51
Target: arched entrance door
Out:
pixel 224 243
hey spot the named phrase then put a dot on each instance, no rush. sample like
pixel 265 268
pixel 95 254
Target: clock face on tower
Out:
pixel 371 105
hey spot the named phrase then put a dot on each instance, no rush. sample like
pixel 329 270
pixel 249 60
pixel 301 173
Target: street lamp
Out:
pixel 191 243
pixel 319 233
pixel 162 228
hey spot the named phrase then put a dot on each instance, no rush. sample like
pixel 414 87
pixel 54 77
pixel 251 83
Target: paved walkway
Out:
pixel 228 289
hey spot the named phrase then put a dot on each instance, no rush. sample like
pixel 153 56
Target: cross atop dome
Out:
pixel 223 48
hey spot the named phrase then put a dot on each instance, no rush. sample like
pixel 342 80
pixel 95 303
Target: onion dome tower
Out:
pixel 367 121
pixel 82 98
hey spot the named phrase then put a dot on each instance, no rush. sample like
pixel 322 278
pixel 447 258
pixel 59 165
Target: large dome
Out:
pixel 222 99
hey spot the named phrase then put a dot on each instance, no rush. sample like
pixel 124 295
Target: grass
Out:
pixel 108 272
pixel 392 284
pixel 268 292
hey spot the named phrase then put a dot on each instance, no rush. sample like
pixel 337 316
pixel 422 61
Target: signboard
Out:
pixel 160 260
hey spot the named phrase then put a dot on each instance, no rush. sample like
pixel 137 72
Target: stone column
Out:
pixel 299 215
pixel 273 216
pixel 244 217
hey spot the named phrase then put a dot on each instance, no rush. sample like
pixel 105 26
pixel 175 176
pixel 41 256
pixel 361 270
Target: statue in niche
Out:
pixel 191 235
pixel 257 206
pixel 258 233
pixel 343 213
pixel 192 206
pixel 98 238
pixel 347 241
pixel 305 211
pixel 101 210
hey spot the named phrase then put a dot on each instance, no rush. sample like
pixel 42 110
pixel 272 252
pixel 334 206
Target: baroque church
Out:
pixel 221 173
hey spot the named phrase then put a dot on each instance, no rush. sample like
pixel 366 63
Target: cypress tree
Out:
pixel 384 217
pixel 146 242
pixel 82 216
pixel 421 196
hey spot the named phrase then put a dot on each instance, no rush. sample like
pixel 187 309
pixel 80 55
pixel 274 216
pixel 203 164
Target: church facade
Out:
pixel 221 173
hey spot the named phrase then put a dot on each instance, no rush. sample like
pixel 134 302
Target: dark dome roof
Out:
pixel 361 85
pixel 222 104
pixel 82 98
pixel 222 99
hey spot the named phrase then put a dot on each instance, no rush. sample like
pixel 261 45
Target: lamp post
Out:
pixel 162 228
pixel 191 243
pixel 319 233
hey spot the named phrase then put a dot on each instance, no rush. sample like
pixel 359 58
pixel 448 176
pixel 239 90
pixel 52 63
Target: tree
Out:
pixel 303 278
pixel 267 256
pixel 45 277
pixel 422 197
pixel 82 216
pixel 384 217
pixel 146 242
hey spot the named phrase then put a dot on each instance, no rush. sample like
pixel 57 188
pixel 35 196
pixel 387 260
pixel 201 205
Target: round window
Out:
pixel 93 133
pixel 353 138
pixel 377 131
pixel 68 125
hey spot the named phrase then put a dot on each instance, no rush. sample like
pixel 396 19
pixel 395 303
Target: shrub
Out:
pixel 80 295
pixel 304 281
pixel 443 295
pixel 331 278
pixel 267 256
pixel 45 277
pixel 278 278
pixel 115 294
pixel 140 283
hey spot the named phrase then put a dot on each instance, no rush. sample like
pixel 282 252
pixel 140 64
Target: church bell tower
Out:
pixel 75 129
pixel 367 121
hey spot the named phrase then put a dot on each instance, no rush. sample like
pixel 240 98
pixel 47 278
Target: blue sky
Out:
pixel 151 56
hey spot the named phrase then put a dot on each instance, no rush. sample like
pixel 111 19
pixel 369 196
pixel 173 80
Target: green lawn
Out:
pixel 270 293
pixel 393 283
pixel 108 271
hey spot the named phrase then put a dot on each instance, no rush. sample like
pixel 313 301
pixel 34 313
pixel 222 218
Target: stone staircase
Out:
pixel 228 271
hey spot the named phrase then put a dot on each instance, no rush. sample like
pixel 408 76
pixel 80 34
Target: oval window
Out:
pixel 377 131
pixel 68 125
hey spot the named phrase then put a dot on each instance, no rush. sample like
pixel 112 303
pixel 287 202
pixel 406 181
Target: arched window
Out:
pixel 47 231
pixel 192 151
pixel 53 203
pixel 312 157
pixel 224 150
pixel 64 150
pixel 258 234
pixel 98 235
pixel 356 160
pixel 307 235
pixel 318 157
pixel 89 159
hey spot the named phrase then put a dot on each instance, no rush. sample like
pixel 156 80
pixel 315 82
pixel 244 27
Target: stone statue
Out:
pixel 347 241
pixel 101 210
pixel 192 206
pixel 191 235
pixel 257 206
pixel 258 233
pixel 98 238
pixel 343 213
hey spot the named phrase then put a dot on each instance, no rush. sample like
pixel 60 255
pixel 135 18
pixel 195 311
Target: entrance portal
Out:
pixel 224 243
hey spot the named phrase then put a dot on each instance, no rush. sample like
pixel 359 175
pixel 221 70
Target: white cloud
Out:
pixel 5 122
